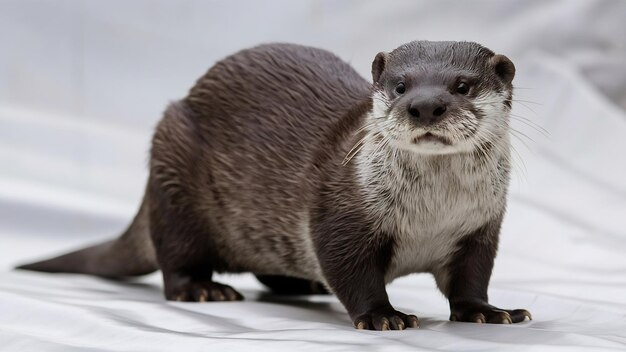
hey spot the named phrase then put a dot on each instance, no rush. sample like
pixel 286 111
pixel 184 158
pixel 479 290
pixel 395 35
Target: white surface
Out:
pixel 81 84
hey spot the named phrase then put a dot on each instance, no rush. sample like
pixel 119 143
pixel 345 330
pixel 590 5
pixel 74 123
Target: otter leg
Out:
pixel 465 280
pixel 184 252
pixel 285 285
pixel 355 270
pixel 357 278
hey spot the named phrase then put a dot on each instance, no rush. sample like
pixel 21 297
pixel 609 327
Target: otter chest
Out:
pixel 429 208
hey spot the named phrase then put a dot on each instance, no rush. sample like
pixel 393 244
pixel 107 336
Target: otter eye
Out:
pixel 400 88
pixel 462 88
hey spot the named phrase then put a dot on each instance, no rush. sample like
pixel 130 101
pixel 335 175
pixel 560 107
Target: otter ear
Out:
pixel 504 67
pixel 378 66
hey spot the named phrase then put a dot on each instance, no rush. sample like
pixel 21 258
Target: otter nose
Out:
pixel 427 111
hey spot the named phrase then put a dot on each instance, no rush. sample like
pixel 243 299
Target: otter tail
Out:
pixel 132 254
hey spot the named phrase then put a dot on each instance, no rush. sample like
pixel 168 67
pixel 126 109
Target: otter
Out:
pixel 284 162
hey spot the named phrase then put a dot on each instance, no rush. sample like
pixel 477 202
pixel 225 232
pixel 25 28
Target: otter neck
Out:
pixel 426 182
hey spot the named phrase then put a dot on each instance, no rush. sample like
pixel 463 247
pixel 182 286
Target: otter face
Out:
pixel 441 97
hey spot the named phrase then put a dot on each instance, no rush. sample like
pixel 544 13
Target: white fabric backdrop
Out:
pixel 82 83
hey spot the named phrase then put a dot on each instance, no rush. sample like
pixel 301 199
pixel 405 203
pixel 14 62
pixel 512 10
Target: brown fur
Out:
pixel 249 173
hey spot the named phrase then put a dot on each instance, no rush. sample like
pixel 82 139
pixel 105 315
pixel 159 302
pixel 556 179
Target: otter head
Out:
pixel 441 97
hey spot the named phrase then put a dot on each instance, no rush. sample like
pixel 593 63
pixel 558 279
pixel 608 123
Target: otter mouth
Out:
pixel 431 138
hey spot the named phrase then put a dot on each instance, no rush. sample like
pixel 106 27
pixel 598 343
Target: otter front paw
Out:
pixel 485 313
pixel 385 319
